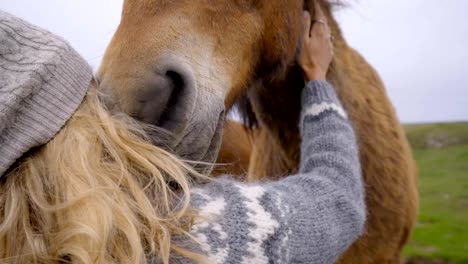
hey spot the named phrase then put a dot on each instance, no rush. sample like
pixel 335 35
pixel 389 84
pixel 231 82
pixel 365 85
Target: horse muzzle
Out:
pixel 173 94
pixel 163 96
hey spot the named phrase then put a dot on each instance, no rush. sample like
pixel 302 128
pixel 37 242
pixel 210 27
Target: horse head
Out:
pixel 180 64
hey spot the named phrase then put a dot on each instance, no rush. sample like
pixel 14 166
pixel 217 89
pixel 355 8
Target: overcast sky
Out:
pixel 419 47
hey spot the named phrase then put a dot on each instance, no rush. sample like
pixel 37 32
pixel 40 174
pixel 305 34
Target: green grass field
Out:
pixel 441 151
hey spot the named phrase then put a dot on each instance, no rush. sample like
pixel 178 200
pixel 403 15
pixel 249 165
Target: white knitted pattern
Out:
pixel 209 215
pixel 284 209
pixel 317 109
pixel 263 224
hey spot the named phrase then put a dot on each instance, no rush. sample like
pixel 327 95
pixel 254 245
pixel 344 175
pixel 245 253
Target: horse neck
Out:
pixel 277 106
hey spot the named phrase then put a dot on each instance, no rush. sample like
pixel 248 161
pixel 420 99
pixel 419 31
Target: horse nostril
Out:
pixel 163 99
pixel 178 84
pixel 176 79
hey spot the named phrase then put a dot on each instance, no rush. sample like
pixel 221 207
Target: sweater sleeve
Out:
pixel 311 217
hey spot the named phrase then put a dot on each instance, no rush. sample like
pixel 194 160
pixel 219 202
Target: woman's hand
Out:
pixel 317 47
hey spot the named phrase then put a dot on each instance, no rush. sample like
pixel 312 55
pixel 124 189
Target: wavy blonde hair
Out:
pixel 97 193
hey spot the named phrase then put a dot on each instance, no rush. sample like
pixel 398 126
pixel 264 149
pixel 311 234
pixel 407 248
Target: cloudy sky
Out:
pixel 419 47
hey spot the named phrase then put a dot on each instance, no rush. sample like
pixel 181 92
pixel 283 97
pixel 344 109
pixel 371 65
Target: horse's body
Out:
pixel 236 148
pixel 251 47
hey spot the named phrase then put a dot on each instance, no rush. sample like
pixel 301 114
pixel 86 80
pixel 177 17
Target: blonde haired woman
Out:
pixel 82 184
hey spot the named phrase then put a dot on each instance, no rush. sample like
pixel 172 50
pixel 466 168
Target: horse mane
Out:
pixel 272 102
pixel 283 73
pixel 270 107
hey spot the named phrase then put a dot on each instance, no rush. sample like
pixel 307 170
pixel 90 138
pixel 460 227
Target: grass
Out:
pixel 451 133
pixel 442 229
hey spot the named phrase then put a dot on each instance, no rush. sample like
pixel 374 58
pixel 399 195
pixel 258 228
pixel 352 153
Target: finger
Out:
pixel 332 48
pixel 327 29
pixel 319 29
pixel 319 21
pixel 307 24
pixel 321 18
pixel 319 14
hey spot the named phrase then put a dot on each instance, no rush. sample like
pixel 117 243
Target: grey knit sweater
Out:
pixel 311 217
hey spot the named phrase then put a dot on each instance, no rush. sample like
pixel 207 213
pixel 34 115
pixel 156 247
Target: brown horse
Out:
pixel 236 148
pixel 194 54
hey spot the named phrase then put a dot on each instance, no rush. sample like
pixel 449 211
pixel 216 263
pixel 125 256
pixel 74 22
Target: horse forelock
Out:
pixel 277 66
